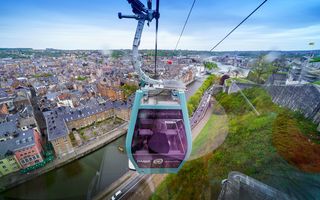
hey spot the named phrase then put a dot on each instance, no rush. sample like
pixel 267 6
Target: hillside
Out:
pixel 274 148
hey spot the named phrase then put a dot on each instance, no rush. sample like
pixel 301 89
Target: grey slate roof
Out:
pixel 57 118
pixel 8 128
pixel 24 139
pixel 20 140
pixel 121 105
pixel 3 93
pixel 56 126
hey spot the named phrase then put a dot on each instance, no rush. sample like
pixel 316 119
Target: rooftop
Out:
pixel 57 118
pixel 20 140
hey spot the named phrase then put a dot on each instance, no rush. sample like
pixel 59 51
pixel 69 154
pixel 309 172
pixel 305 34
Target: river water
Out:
pixel 73 180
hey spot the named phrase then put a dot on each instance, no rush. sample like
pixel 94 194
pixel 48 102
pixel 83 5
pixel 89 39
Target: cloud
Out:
pixel 78 36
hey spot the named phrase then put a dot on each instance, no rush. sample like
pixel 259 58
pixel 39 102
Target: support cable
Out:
pixel 185 24
pixel 238 25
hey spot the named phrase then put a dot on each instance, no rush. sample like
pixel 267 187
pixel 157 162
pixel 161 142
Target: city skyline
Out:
pixel 285 25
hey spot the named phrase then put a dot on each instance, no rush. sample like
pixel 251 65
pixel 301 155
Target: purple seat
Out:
pixel 158 143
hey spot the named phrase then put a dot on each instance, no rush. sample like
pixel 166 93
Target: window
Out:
pixel 1 162
pixel 171 125
pixel 4 167
pixel 38 156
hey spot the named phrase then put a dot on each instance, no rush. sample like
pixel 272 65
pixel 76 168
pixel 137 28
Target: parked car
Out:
pixel 116 195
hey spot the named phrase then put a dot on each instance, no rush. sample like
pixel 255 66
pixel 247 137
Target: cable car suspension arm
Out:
pixel 142 14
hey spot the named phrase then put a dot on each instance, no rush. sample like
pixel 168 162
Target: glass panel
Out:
pixel 159 139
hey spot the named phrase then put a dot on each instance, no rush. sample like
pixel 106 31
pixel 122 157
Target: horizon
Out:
pixel 128 49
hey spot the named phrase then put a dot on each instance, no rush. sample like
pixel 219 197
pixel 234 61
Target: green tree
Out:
pixel 129 89
pixel 210 65
pixel 195 99
pixel 260 68
pixel 117 54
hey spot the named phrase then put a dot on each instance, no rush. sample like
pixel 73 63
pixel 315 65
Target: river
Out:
pixel 73 180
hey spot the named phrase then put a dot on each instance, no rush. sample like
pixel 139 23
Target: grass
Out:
pixel 258 146
pixel 317 59
pixel 205 141
pixel 293 145
pixel 252 76
pixel 239 80
pixel 316 83
pixel 81 78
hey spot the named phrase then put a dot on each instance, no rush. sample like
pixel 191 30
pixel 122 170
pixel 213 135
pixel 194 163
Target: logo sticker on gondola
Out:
pixel 158 161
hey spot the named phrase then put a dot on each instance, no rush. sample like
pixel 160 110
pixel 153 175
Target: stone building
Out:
pixel 62 145
pixel 58 132
pixel 62 120
pixel 85 117
pixel 110 92
pixel 122 110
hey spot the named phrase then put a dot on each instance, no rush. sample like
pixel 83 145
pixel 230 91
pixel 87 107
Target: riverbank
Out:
pixel 16 179
pixel 190 82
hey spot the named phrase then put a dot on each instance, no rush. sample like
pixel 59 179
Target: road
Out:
pixel 130 186
pixel 202 108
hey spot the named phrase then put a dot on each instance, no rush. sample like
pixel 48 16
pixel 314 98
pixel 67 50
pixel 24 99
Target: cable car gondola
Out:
pixel 159 134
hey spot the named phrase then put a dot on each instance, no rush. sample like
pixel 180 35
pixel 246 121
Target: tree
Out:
pixel 117 54
pixel 190 109
pixel 210 65
pixel 261 67
pixel 129 89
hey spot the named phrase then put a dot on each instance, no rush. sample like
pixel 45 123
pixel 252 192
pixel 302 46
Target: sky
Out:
pixel 93 24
